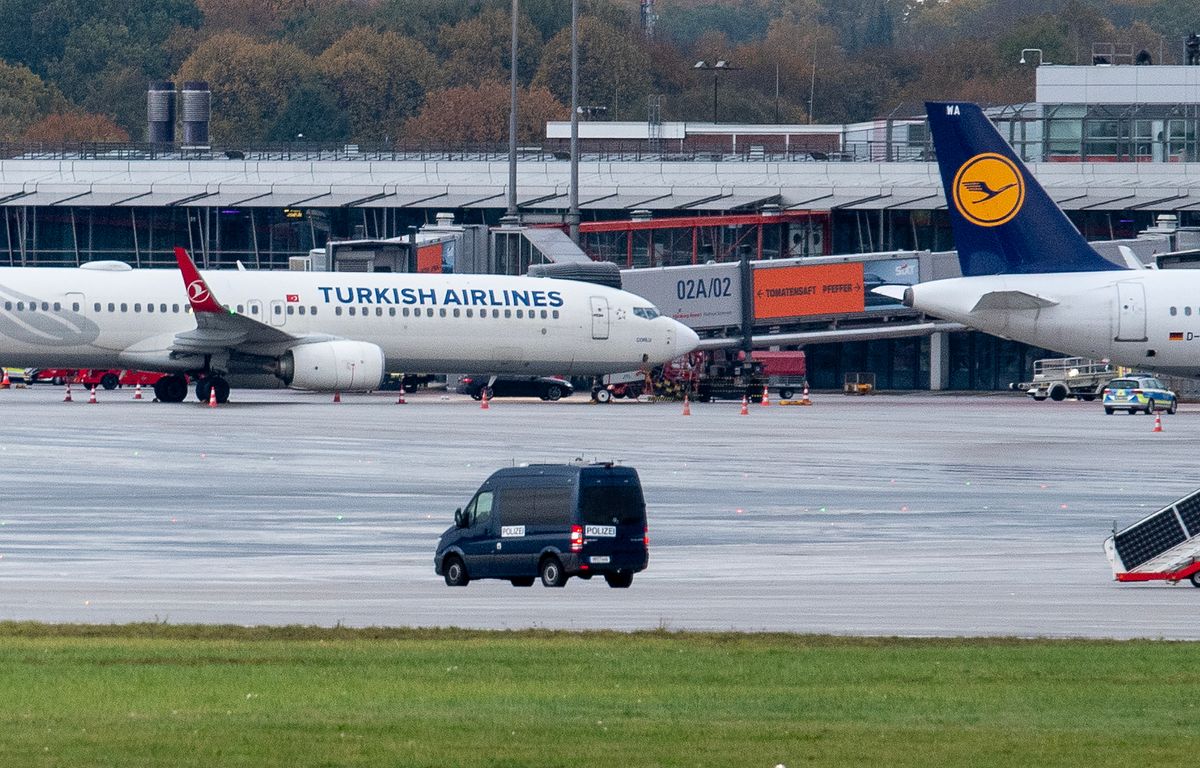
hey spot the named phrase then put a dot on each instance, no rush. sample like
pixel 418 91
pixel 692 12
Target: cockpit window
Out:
pixel 647 312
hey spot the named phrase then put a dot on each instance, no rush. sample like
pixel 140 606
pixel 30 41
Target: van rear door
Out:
pixel 613 514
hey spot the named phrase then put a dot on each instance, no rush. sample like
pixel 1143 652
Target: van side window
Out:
pixel 536 506
pixel 480 508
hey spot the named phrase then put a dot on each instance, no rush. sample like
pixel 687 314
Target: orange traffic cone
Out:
pixel 804 398
pixel 400 400
pixel 483 400
pixel 337 397
pixel 745 406
pixel 1157 422
pixel 5 383
pixel 212 397
pixel 67 399
pixel 687 406
pixel 92 398
pixel 766 400
pixel 137 391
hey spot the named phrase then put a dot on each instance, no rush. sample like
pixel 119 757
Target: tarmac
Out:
pixel 913 514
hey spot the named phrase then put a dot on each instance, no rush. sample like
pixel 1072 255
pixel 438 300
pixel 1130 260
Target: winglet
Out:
pixel 199 295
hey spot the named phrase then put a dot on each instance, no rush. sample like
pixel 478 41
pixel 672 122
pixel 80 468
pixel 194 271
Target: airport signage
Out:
pixel 701 296
pixel 795 291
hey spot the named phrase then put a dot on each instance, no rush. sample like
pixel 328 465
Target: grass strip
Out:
pixel 154 694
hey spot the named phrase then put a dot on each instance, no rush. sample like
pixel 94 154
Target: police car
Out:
pixel 1138 393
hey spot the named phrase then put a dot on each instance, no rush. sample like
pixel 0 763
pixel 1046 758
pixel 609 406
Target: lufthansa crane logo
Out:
pixel 989 190
pixel 197 291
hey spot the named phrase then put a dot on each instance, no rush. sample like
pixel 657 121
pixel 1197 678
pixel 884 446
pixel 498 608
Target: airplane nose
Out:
pixel 687 338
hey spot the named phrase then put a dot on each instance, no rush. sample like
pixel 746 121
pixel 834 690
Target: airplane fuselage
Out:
pixel 98 318
pixel 1147 319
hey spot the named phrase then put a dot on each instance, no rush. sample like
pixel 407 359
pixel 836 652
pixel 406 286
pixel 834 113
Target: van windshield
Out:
pixel 612 505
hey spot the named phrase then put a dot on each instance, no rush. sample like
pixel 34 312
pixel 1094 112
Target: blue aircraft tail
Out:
pixel 1004 222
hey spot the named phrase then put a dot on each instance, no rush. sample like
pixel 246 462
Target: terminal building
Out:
pixel 1114 144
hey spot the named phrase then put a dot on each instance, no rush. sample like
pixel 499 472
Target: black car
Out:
pixel 545 387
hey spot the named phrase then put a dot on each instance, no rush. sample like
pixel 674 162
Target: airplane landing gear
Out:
pixel 206 385
pixel 171 389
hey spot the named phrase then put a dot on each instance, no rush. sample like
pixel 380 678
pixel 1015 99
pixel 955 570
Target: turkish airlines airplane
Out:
pixel 326 331
pixel 1029 275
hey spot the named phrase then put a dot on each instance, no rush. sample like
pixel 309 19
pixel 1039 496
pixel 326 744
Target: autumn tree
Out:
pixel 24 99
pixel 614 68
pixel 380 78
pixel 479 48
pixel 75 127
pixel 479 115
pixel 252 82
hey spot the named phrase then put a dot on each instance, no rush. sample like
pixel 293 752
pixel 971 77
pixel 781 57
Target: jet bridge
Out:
pixel 1164 546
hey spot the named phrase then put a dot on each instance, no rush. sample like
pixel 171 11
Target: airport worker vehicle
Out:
pixel 549 521
pixel 1058 378
pixel 1164 546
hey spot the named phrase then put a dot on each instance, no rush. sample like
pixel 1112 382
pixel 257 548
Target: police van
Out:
pixel 549 521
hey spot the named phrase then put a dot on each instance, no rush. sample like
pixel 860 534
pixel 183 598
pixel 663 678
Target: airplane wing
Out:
pixel 217 328
pixel 1012 300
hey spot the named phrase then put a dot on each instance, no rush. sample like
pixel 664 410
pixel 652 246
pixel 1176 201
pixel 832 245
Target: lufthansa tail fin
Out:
pixel 1004 222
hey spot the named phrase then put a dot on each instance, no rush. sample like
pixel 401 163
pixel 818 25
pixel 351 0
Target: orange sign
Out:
pixel 429 259
pixel 827 289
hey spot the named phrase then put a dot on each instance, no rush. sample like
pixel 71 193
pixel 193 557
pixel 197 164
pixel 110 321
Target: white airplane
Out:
pixel 326 331
pixel 1029 275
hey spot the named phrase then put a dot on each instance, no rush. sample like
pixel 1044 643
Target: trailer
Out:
pixel 1058 378
pixel 1163 546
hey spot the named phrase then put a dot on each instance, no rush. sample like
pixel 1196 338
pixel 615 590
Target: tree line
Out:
pixel 436 71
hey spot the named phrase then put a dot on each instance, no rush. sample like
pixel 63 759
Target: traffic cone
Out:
pixel 5 383
pixel 1157 422
pixel 745 406
pixel 212 397
pixel 804 398
pixel 137 391
pixel 67 399
pixel 92 398
pixel 400 400
pixel 687 406
pixel 766 400
pixel 337 397
pixel 483 400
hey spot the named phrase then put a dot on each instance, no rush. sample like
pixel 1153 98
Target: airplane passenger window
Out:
pixel 429 312
pixel 312 310
pixel 241 309
pixel 1187 311
pixel 507 313
pixel 124 307
pixel 544 314
pixel 8 306
pixel 391 311
pixel 112 307
pixel 442 311
pixel 351 310
pixel 378 311
pixel 470 312
pixel 95 307
pixel 337 311
pixel 162 308
pixel 175 308
pixel 254 309
pixel 45 306
pixel 137 307
pixel 149 307
pixel 291 310
pixel 520 314
pixel 58 307
pixel 20 306
pixel 75 306
pixel 456 312
pixel 278 309
pixel 302 309
pixel 404 312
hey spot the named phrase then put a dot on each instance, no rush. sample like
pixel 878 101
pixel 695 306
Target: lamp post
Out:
pixel 1038 51
pixel 717 68
pixel 573 189
pixel 511 213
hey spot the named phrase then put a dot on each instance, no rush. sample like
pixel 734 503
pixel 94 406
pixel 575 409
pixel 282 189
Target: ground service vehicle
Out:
pixel 1138 393
pixel 545 387
pixel 1058 378
pixel 782 372
pixel 107 378
pixel 551 521
pixel 1164 546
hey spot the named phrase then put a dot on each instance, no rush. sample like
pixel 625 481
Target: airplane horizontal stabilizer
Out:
pixel 1012 300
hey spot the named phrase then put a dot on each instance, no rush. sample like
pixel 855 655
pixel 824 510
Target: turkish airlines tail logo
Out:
pixel 197 291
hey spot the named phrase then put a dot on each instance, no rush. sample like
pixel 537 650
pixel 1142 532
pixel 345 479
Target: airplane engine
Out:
pixel 340 365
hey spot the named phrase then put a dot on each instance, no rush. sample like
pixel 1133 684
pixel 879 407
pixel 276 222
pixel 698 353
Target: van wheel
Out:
pixel 455 572
pixel 552 573
pixel 524 581
pixel 109 381
pixel 786 394
pixel 619 580
pixel 1195 579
